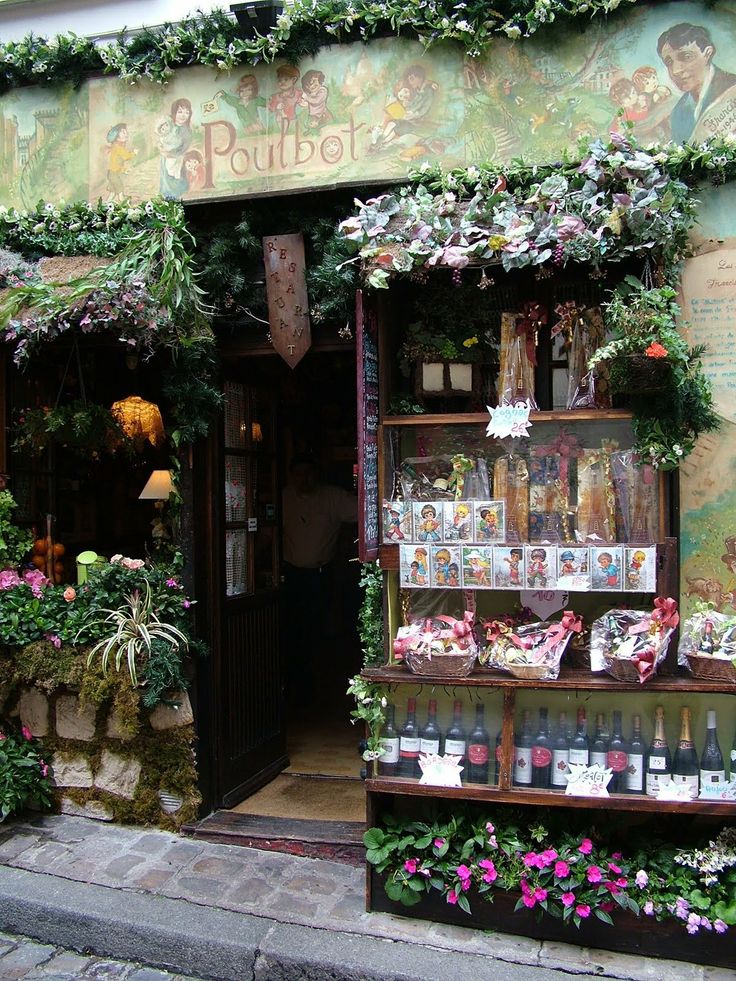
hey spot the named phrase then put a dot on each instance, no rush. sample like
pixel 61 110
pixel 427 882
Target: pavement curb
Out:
pixel 182 937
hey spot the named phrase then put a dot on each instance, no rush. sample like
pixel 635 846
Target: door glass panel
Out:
pixel 236 423
pixel 236 562
pixel 236 488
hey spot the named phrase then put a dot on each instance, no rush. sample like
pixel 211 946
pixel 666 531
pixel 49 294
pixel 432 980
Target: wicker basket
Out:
pixel 711 668
pixel 624 669
pixel 441 665
pixel 632 374
pixel 529 672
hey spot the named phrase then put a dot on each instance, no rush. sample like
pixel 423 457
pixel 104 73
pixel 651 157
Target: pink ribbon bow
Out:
pixel 665 613
pixel 645 663
pixel 570 623
pixel 464 627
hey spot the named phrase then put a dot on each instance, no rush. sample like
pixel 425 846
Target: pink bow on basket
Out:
pixel 645 662
pixel 464 627
pixel 665 613
pixel 570 623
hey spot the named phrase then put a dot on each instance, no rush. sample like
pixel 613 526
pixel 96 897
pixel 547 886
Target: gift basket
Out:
pixel 531 650
pixel 631 644
pixel 708 645
pixel 440 645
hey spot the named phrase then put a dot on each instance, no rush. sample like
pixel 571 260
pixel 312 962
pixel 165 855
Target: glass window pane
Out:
pixel 236 576
pixel 235 415
pixel 236 487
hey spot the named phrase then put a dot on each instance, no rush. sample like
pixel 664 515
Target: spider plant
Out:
pixel 130 631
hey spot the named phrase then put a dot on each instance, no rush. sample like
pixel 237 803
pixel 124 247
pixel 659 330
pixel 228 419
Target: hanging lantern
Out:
pixel 139 420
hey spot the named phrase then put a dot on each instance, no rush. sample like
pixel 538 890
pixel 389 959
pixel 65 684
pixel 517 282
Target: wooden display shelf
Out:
pixel 570 678
pixel 639 803
pixel 482 418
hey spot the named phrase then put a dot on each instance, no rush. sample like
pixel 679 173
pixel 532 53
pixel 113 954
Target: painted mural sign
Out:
pixel 356 114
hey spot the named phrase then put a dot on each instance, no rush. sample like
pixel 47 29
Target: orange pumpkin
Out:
pixel 59 568
pixel 41 545
pixel 58 549
pixel 39 561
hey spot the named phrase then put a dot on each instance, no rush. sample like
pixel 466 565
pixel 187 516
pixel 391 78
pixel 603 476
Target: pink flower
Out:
pixel 562 870
pixel 569 227
pixel 719 926
pixel 548 856
pixel 44 768
pixel 642 879
pixel 186 604
pixel 614 868
pixel 70 594
pixel 490 874
pixel 622 883
pixel 451 898
pixel 489 828
pixel 492 842
pixel 172 583
pixel 568 898
pixel 540 894
pixel 617 856
pixel 607 906
pixel 466 884
pixel 612 888
pixel 585 847
pixel 9 578
pixel 438 842
pixel 648 908
pixel 55 640
pixel 27 734
pixel 410 865
pixel 529 901
pixel 583 911
pixel 463 873
pixel 705 922
pixel 693 923
pixel 530 860
pixel 525 887
pixel 3 737
pixel 132 563
pixel 594 874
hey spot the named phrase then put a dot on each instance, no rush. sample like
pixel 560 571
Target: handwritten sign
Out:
pixel 588 781
pixel 286 290
pixel 367 366
pixel 669 790
pixel 440 771
pixel 718 791
pixel 509 420
pixel 544 602
pixel 709 303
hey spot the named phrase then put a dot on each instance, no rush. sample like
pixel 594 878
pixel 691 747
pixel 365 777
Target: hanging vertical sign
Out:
pixel 367 359
pixel 286 289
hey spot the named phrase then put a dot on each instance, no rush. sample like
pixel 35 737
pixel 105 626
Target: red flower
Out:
pixel 656 350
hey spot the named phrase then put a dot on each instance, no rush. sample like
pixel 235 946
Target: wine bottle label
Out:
pixel 712 776
pixel 579 756
pixel 689 780
pixel 600 758
pixel 478 753
pixel 390 749
pixel 429 745
pixel 617 760
pixel 409 747
pixel 541 756
pixel 522 765
pixel 559 773
pixel 455 747
pixel 635 772
pixel 658 763
pixel 654 782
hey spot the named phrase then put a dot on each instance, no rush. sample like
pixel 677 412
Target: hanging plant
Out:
pixel 82 428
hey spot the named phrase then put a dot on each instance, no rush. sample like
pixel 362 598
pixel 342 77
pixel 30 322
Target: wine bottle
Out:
pixel 523 740
pixel 659 761
pixel 712 767
pixel 617 758
pixel 409 742
pixel 635 768
pixel 560 754
pixel 388 762
pixel 497 758
pixel 542 753
pixel 685 769
pixel 599 746
pixel 478 749
pixel 579 750
pixel 732 771
pixel 706 642
pixel 429 736
pixel 455 737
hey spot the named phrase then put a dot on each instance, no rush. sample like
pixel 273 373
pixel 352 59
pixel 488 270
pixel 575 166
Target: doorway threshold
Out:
pixel 336 841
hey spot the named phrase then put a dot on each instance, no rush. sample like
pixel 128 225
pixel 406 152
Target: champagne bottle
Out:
pixel 706 643
pixel 617 757
pixel 497 759
pixel 599 746
pixel 635 768
pixel 523 740
pixel 455 737
pixel 732 771
pixel 560 754
pixel 685 769
pixel 712 767
pixel 659 761
pixel 429 737
pixel 388 763
pixel 542 753
pixel 478 749
pixel 409 742
pixel 579 750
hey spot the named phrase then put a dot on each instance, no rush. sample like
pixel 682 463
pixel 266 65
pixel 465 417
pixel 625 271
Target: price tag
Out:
pixel 587 781
pixel 509 420
pixel 669 790
pixel 440 771
pixel 544 602
pixel 718 791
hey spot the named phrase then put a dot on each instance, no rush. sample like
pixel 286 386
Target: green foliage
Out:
pixel 188 385
pixel 30 610
pixel 15 542
pixel 24 774
pixel 370 701
pixel 370 615
pixel 81 427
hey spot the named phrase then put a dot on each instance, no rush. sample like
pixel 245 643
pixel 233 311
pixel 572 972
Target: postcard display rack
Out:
pixel 564 509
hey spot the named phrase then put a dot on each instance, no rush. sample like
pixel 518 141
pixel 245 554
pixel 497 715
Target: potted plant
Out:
pixel 15 542
pixel 25 777
pixel 650 361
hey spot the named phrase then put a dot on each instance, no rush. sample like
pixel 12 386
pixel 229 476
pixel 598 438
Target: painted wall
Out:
pixel 368 113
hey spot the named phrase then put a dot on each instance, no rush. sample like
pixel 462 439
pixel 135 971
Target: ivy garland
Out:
pixel 370 615
pixel 215 39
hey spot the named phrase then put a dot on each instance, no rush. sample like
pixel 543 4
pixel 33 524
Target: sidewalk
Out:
pixel 231 913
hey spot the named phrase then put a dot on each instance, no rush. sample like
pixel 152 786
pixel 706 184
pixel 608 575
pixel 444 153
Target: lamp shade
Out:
pixel 158 486
pixel 139 420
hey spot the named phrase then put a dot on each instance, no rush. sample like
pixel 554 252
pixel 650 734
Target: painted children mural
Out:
pixel 284 101
pixel 314 98
pixel 409 113
pixel 173 142
pixel 118 160
pixel 249 106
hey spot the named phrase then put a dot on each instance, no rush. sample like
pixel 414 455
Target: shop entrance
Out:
pixel 282 751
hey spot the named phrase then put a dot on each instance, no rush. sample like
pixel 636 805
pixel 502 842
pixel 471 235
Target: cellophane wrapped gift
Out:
pixel 708 645
pixel 530 650
pixel 631 644
pixel 438 645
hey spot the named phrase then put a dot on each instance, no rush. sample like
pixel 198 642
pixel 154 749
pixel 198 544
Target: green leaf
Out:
pixel 602 915
pixel 373 838
pixel 462 902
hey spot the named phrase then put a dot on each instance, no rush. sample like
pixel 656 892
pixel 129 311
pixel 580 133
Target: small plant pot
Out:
pixel 632 374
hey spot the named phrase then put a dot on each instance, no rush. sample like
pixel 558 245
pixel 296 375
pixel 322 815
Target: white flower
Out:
pixel 678 449
pixel 384 703
pixel 512 31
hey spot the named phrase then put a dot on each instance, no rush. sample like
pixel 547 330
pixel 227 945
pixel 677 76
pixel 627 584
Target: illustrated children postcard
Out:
pixel 573 568
pixel 445 563
pixel 427 521
pixel 413 566
pixel 640 569
pixel 606 567
pixel 397 521
pixel 458 521
pixel 508 567
pixel 489 521
pixel 541 567
pixel 477 567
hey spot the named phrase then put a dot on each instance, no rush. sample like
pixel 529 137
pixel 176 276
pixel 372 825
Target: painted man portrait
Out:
pixel 687 52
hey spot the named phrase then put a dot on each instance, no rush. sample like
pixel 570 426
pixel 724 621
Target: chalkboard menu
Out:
pixel 367 360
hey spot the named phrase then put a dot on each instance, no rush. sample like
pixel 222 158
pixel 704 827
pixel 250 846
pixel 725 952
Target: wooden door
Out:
pixel 249 712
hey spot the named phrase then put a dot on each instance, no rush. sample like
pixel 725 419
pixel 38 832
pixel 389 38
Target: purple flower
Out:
pixel 682 908
pixel 642 878
pixel 648 908
pixel 489 828
pixel 705 922
pixel 719 926
pixel 173 583
pixel 186 604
